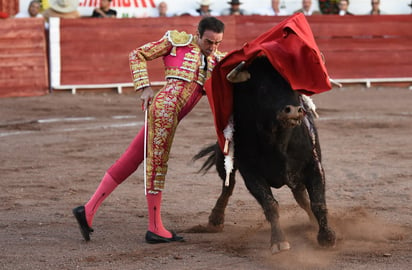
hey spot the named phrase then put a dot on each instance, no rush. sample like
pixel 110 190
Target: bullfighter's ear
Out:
pixel 236 75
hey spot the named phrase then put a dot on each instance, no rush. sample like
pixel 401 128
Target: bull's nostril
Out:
pixel 288 109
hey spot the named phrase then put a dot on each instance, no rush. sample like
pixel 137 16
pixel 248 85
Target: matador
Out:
pixel 188 62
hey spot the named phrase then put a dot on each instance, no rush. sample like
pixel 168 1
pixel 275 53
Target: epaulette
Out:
pixel 179 38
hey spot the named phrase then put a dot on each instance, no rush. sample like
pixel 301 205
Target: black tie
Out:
pixel 205 59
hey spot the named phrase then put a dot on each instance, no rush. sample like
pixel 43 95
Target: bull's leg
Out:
pixel 217 216
pixel 263 194
pixel 316 191
pixel 302 198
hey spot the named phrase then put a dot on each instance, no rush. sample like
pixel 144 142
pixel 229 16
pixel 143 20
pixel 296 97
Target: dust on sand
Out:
pixel 56 148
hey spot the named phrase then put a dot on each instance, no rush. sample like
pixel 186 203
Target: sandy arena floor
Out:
pixel 56 148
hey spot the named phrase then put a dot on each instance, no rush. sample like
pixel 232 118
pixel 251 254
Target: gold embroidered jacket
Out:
pixel 181 56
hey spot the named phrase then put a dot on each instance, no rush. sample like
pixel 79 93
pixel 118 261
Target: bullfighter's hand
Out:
pixel 146 97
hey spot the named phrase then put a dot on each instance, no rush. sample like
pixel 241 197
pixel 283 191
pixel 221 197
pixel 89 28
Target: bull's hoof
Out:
pixel 204 229
pixel 327 238
pixel 279 247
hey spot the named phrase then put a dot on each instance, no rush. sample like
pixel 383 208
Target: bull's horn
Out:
pixel 236 75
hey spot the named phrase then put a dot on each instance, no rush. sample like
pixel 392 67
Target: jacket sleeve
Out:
pixel 138 60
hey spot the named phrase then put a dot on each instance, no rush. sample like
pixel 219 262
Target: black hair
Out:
pixel 210 23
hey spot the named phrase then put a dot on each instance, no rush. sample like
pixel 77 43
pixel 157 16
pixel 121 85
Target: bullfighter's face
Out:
pixel 209 42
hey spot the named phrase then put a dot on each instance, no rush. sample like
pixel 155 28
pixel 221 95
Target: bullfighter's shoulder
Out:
pixel 179 38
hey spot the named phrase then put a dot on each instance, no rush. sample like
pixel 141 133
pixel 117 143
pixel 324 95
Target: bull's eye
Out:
pixel 287 109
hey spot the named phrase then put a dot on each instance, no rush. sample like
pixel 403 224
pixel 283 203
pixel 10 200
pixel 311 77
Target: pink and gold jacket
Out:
pixel 181 56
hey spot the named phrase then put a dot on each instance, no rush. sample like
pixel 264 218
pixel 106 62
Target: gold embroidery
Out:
pixel 139 56
pixel 182 82
pixel 179 38
pixel 163 119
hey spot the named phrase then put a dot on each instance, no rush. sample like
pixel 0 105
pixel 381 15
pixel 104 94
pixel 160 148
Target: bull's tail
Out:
pixel 210 152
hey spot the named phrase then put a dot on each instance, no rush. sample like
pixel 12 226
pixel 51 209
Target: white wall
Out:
pixel 358 7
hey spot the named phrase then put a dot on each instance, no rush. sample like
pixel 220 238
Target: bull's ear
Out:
pixel 236 75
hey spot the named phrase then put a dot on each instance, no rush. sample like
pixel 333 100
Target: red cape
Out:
pixel 292 50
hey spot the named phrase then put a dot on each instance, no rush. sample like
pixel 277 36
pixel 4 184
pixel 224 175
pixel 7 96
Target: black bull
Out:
pixel 275 144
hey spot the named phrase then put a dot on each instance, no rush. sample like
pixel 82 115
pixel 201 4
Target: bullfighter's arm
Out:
pixel 138 60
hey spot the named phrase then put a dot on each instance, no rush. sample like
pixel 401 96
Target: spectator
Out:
pixel 274 10
pixel 62 9
pixel 162 10
pixel 204 9
pixel 234 9
pixel 104 11
pixel 329 6
pixel 376 10
pixel 343 6
pixel 33 11
pixel 307 9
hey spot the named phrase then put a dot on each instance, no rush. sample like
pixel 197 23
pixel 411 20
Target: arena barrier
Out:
pixel 366 49
pixel 92 53
pixel 357 49
pixel 23 58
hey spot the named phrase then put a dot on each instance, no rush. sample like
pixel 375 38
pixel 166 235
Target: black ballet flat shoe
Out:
pixel 80 215
pixel 153 238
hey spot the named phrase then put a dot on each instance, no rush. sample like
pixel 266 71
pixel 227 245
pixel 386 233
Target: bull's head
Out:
pixel 288 116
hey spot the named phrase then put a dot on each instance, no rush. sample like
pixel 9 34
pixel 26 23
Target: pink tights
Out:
pixel 128 164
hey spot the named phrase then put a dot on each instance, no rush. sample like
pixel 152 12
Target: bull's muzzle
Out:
pixel 291 116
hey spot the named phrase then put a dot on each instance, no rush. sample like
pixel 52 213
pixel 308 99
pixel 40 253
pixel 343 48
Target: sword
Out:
pixel 145 104
pixel 145 152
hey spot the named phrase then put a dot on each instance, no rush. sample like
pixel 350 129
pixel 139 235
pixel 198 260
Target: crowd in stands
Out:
pixel 68 9
pixel 276 9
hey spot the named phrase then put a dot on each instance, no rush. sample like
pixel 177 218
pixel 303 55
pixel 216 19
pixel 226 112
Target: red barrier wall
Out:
pixel 365 46
pixel 354 46
pixel 95 51
pixel 23 58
